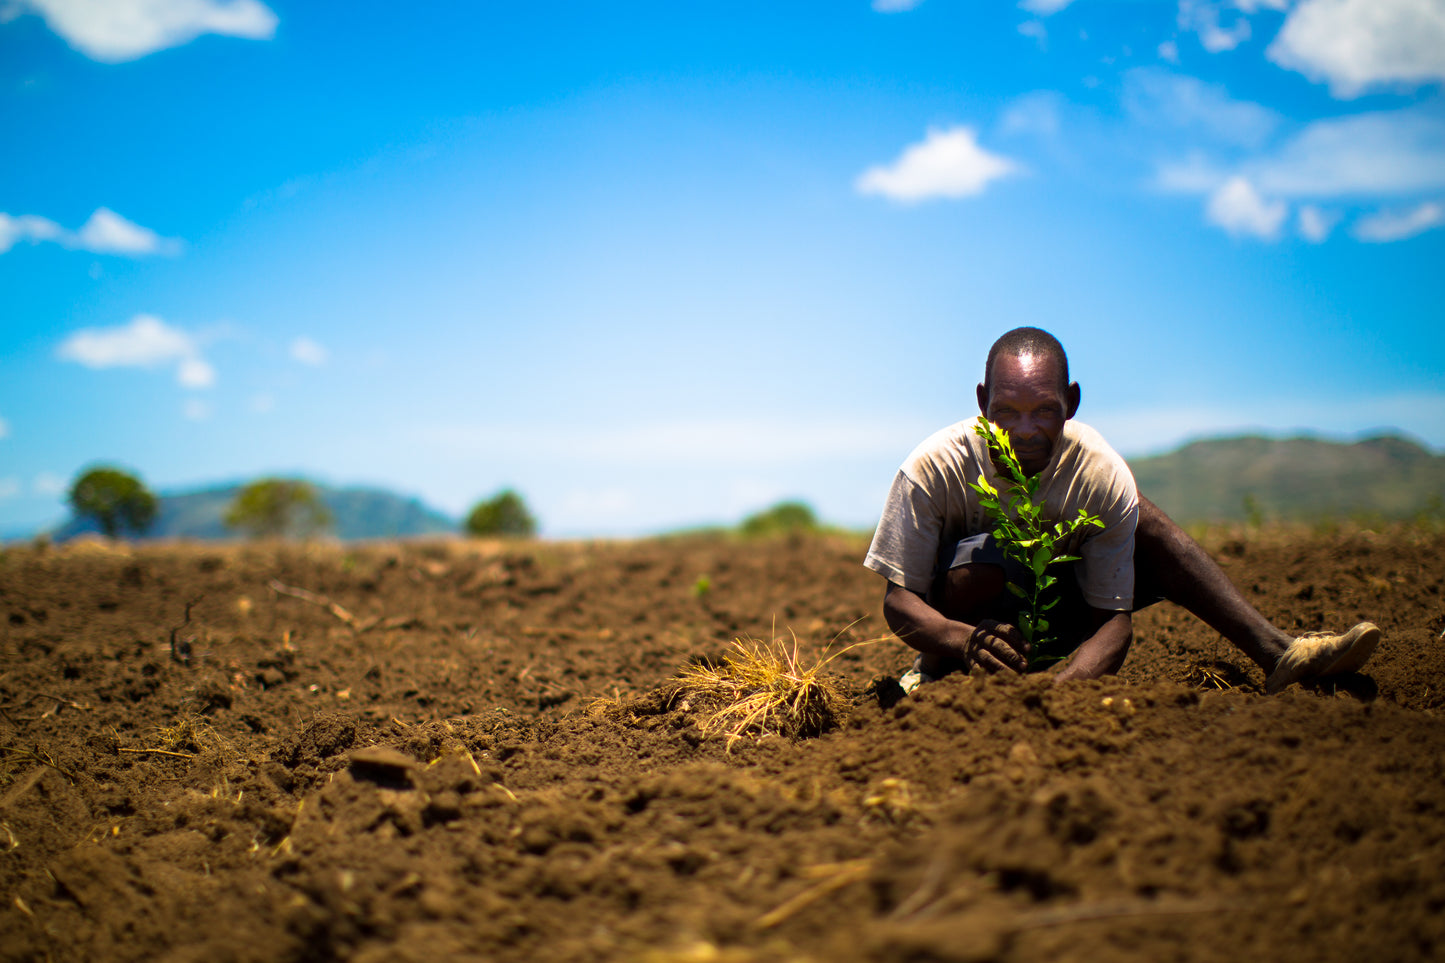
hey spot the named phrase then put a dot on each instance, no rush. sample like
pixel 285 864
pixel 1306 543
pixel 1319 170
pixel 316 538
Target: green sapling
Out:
pixel 1028 538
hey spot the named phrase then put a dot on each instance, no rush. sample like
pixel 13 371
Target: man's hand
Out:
pixel 997 647
pixel 944 642
pixel 1103 652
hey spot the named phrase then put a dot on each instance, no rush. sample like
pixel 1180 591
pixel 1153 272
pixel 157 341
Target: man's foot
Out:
pixel 916 676
pixel 1319 654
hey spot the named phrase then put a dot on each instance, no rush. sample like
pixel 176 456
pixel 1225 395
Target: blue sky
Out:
pixel 663 264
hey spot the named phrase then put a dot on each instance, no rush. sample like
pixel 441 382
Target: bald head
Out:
pixel 1027 393
pixel 1035 342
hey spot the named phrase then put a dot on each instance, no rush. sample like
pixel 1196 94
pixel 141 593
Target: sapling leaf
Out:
pixel 1026 536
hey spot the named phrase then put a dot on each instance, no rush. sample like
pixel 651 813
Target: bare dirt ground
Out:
pixel 410 763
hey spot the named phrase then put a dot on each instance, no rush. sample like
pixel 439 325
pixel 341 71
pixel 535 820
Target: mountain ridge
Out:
pixel 1301 478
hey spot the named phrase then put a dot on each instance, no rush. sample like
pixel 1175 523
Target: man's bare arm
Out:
pixel 993 646
pixel 1103 652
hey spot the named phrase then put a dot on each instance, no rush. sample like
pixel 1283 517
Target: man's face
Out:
pixel 1030 401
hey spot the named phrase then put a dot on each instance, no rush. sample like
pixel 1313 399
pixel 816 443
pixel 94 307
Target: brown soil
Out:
pixel 422 769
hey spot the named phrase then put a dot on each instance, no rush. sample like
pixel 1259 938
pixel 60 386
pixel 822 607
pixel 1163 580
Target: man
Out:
pixel 947 576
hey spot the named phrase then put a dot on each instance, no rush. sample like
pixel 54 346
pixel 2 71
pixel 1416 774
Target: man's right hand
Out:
pixel 997 647
pixel 945 644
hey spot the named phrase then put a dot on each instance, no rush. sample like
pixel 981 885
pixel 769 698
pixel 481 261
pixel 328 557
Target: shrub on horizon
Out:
pixel 503 514
pixel 784 517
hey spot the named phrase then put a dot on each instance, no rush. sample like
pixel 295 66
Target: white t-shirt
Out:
pixel 930 505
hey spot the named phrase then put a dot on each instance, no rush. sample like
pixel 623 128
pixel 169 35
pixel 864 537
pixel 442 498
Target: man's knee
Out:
pixel 966 590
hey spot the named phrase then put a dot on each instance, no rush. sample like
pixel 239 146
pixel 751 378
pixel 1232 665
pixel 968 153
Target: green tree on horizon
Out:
pixel 116 499
pixel 278 507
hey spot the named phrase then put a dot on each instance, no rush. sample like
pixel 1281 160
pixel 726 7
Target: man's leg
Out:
pixel 1170 564
pixel 966 593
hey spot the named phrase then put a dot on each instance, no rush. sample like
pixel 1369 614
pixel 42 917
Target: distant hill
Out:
pixel 1293 479
pixel 356 513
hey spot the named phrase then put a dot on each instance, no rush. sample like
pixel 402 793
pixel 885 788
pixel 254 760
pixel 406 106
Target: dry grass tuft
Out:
pixel 190 736
pixel 1212 675
pixel 763 688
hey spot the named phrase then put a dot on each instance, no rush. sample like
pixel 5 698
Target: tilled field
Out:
pixel 459 751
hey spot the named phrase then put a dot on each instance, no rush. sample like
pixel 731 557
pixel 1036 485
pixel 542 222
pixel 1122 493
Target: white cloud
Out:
pixel 1044 8
pixel 48 483
pixel 1385 226
pixel 1254 6
pixel 1202 17
pixel 948 163
pixel 1357 44
pixel 308 351
pixel 26 227
pixel 1316 224
pixel 9 487
pixel 1217 40
pixel 196 373
pixel 113 31
pixel 1237 207
pixel 4 428
pixel 895 6
pixel 263 404
pixel 1036 30
pixel 1362 158
pixel 106 232
pixel 1387 153
pixel 146 342
pixel 1169 50
pixel 1162 99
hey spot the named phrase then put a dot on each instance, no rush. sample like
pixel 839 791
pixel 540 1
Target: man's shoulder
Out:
pixel 944 453
pixel 1089 440
pixel 1092 458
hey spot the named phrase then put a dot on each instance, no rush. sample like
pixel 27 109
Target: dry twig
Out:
pixel 300 593
pixel 181 648
pixel 834 877
pixel 16 755
pixel 1115 909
